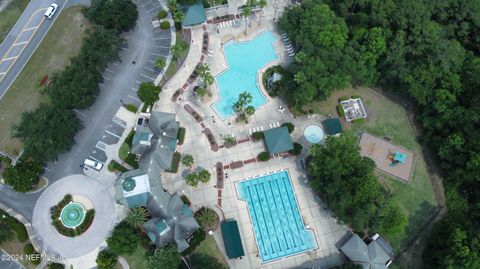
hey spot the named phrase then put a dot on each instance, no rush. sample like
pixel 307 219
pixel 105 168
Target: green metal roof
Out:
pixel 278 140
pixel 231 239
pixel 129 184
pixel 194 14
pixel 332 126
pixel 137 200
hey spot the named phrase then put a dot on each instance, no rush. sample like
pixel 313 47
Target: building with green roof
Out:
pixel 332 126
pixel 194 14
pixel 231 239
pixel 278 140
pixel 371 256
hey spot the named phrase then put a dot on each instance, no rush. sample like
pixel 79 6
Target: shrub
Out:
pixel 185 200
pixel 132 160
pixel 106 259
pixel 165 25
pixel 355 97
pixel 132 108
pixel 263 156
pixel 21 231
pixel 114 166
pixel 28 249
pixel 343 98
pixel 257 136
pixel 56 266
pixel 197 238
pixel 181 135
pixel 297 149
pixel 340 111
pixel 175 163
pixel 289 126
pixel 358 121
pixel 162 14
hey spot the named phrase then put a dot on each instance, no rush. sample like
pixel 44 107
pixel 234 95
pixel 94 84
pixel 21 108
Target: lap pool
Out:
pixel 275 215
pixel 244 59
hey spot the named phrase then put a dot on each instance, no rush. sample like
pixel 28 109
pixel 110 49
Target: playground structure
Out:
pixel 391 159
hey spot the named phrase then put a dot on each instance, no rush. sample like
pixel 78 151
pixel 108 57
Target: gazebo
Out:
pixel 278 140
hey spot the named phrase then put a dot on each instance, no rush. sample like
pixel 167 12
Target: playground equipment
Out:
pixel 396 158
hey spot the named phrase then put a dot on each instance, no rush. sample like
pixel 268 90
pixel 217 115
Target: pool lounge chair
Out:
pixel 278 124
pixel 291 54
pixel 271 125
pixel 261 128
pixel 250 131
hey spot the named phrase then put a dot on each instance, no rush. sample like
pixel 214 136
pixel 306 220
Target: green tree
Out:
pixel 178 49
pixel 23 176
pixel 206 217
pixel 204 176
pixel 148 93
pixel 207 78
pixel 6 233
pixel 160 63
pixel 262 4
pixel 243 102
pixel 172 6
pixel 192 179
pixel 247 13
pixel 120 15
pixel 178 17
pixel 106 259
pixel 187 160
pixel 124 239
pixel 47 132
pixel 137 216
pixel 56 266
pixel 164 257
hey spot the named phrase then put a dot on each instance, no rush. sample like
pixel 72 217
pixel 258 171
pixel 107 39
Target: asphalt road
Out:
pixel 121 80
pixel 24 38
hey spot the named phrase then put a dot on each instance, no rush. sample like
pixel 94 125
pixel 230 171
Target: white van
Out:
pixel 51 11
pixel 93 164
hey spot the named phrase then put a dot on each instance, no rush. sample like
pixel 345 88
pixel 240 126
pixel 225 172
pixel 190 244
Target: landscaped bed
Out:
pixel 60 218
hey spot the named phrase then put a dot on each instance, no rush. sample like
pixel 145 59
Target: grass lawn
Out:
pixel 209 247
pixel 137 259
pixel 389 119
pixel 62 42
pixel 10 15
pixel 15 248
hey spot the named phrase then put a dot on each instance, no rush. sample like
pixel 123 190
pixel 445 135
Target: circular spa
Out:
pixel 313 133
pixel 73 215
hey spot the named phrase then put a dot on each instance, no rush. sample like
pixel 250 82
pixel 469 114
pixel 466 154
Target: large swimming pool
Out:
pixel 244 59
pixel 277 224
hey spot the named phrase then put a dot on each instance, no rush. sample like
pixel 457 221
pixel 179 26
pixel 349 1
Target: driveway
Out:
pixel 24 38
pixel 121 79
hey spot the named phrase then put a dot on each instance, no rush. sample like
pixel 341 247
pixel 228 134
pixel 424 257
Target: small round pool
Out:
pixel 72 215
pixel 313 133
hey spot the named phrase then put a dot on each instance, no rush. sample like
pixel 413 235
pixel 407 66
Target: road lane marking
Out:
pixel 31 28
pixel 10 58
pixel 21 43
pixel 28 41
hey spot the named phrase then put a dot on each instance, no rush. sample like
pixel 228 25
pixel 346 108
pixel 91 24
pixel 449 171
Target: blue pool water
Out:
pixel 277 224
pixel 244 59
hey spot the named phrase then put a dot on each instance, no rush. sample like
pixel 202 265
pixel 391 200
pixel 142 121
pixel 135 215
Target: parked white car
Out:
pixel 93 164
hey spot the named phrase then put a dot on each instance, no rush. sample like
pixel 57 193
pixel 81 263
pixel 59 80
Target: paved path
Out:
pixel 24 38
pixel 103 203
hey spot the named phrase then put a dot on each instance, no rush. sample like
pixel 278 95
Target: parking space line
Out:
pixel 135 89
pixel 81 113
pixel 109 70
pixel 110 133
pixel 147 77
pixel 105 77
pixel 152 9
pixel 134 98
pixel 162 47
pixel 116 64
pixel 156 54
pixel 137 81
pixel 149 69
pixel 160 38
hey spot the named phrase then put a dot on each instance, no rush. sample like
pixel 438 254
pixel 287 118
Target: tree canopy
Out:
pixel 23 176
pixel 348 185
pixel 118 15
pixel 124 239
pixel 106 259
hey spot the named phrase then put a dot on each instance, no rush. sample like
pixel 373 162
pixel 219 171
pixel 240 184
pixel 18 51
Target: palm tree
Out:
pixel 187 160
pixel 249 111
pixel 172 6
pixel 207 78
pixel 178 17
pixel 137 217
pixel 247 12
pixel 261 4
pixel 192 179
pixel 204 176
pixel 160 63
pixel 206 217
pixel 178 49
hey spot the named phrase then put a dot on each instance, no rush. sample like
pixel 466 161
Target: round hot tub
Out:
pixel 313 133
